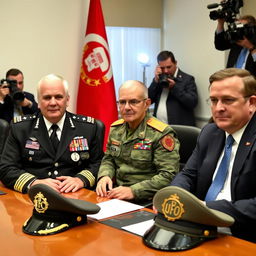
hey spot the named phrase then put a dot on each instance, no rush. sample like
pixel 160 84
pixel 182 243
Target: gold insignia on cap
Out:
pixel 79 218
pixel 52 230
pixel 206 232
pixel 40 203
pixel 168 142
pixel 172 208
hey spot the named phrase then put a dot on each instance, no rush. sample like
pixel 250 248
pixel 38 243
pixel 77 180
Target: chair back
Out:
pixel 100 132
pixel 187 136
pixel 4 130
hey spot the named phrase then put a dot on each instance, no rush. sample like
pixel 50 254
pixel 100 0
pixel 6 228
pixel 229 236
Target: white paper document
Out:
pixel 114 207
pixel 139 228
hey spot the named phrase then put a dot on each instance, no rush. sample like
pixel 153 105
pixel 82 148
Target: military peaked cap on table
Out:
pixel 183 221
pixel 53 213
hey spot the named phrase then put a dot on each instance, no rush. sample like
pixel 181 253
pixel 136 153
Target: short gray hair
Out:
pixel 132 83
pixel 52 77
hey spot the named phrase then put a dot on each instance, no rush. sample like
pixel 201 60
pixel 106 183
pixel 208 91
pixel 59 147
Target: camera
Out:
pixel 15 93
pixel 229 10
pixel 235 31
pixel 163 79
pixel 238 31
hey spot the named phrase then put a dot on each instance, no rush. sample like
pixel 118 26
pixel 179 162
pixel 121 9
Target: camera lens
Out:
pixel 163 80
pixel 18 96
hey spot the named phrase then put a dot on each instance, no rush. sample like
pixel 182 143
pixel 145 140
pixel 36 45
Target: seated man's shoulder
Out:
pixel 26 119
pixel 210 127
pixel 117 122
pixel 209 130
pixel 82 119
pixel 157 124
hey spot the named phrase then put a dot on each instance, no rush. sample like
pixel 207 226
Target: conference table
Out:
pixel 93 238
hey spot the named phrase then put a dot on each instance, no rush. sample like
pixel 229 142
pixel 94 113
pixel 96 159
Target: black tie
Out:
pixel 54 138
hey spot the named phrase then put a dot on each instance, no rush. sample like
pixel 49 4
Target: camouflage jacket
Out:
pixel 145 160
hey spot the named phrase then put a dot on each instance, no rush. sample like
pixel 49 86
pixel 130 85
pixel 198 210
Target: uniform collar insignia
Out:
pixel 33 138
pixel 37 123
pixel 71 122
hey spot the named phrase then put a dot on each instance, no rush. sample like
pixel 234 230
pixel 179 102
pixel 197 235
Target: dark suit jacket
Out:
pixel 28 152
pixel 197 174
pixel 7 109
pixel 222 44
pixel 181 101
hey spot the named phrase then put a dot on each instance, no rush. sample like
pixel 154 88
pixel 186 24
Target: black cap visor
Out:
pixel 52 223
pixel 167 240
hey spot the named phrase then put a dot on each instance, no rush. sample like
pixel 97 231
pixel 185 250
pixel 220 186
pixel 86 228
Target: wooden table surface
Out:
pixel 91 239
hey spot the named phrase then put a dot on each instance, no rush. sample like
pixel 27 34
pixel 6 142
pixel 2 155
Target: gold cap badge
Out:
pixel 172 208
pixel 40 203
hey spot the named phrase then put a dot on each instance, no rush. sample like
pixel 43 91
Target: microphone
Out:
pixel 211 6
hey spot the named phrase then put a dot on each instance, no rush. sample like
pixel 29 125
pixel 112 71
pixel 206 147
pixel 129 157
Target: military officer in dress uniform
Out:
pixel 30 156
pixel 142 153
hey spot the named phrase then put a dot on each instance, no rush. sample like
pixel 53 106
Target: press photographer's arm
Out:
pixel 235 33
pixel 6 106
pixel 4 90
pixel 26 103
pixel 244 34
pixel 162 77
pixel 14 101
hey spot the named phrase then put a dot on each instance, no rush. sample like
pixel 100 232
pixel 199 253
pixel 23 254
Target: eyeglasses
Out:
pixel 132 102
pixel 225 101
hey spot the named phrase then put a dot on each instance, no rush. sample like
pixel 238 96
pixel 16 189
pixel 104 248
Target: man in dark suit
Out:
pixel 233 104
pixel 53 147
pixel 9 106
pixel 247 44
pixel 173 92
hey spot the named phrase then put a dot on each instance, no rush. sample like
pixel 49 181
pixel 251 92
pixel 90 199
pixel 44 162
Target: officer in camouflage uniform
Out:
pixel 142 153
pixel 29 157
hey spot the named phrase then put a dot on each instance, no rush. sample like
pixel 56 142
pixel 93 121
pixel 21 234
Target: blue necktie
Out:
pixel 241 58
pixel 221 175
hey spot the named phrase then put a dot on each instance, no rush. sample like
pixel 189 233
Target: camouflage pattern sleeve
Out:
pixel 107 167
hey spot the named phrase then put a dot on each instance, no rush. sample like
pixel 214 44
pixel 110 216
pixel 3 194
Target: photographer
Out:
pixel 242 51
pixel 173 92
pixel 13 100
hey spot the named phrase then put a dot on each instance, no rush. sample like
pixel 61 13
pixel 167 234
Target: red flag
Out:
pixel 96 92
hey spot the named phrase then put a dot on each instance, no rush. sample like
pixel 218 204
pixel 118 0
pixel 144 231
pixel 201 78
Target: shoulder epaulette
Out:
pixel 86 119
pixel 157 124
pixel 118 122
pixel 18 119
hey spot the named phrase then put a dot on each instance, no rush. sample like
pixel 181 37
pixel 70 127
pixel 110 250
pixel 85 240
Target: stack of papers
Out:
pixel 139 228
pixel 114 207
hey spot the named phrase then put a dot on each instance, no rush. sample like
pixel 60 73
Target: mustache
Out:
pixel 128 111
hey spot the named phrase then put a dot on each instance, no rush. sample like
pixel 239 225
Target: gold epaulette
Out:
pixel 157 124
pixel 118 122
